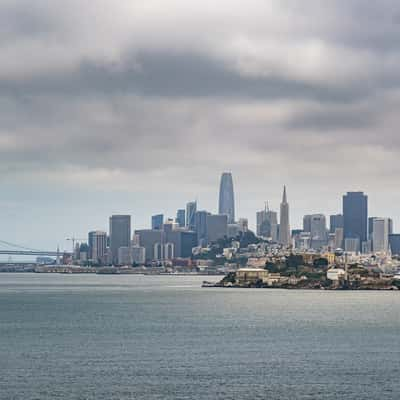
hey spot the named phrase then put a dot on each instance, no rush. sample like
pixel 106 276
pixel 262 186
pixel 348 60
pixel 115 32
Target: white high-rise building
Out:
pixel 380 235
pixel 97 246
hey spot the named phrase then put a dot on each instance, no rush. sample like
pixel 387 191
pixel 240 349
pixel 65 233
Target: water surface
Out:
pixel 163 337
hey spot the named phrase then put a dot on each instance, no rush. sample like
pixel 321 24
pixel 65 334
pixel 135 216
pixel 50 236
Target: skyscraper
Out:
pixel 181 218
pixel 201 226
pixel 267 224
pixel 120 234
pixel 284 227
pixel 336 221
pixel 191 209
pixel 226 197
pixel 97 246
pixel 355 216
pixel 380 235
pixel 217 227
pixel 157 221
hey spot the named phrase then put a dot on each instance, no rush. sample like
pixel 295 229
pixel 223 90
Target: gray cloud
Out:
pixel 96 95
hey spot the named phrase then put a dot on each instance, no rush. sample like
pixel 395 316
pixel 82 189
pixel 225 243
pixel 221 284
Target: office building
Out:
pixel 124 255
pixel 307 223
pixel 284 225
pixel 339 236
pixel 157 221
pixel 138 255
pixel 352 245
pixel 150 239
pixel 181 218
pixel 335 221
pixel 191 209
pixel 97 241
pixel 267 224
pixel 355 216
pixel 226 197
pixel 318 231
pixel 380 235
pixel 120 235
pixel 244 224
pixel 394 243
pixel 217 227
pixel 201 227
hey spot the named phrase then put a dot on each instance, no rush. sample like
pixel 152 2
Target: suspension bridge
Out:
pixel 12 249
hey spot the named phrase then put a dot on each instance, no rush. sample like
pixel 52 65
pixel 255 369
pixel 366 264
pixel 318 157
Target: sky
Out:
pixel 138 107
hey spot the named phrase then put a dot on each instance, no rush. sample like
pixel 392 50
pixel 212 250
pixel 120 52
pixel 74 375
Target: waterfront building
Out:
pixel 157 221
pixel 148 238
pixel 124 256
pixel 226 197
pixel 168 242
pixel 380 235
pixel 355 216
pixel 191 209
pixel 97 241
pixel 217 227
pixel 335 222
pixel 181 218
pixel 138 255
pixel 284 226
pixel 120 234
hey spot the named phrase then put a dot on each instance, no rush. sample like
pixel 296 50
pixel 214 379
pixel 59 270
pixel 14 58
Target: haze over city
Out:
pixel 130 107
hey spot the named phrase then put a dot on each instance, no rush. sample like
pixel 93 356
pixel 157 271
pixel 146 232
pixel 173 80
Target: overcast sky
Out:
pixel 138 106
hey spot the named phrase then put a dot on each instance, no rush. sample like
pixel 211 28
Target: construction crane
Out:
pixel 73 239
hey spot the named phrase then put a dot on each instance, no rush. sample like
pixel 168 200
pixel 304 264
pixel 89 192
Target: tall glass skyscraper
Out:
pixel 191 209
pixel 226 197
pixel 355 216
pixel 181 217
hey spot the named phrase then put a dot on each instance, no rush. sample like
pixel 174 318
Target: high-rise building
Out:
pixel 226 197
pixel 217 227
pixel 335 221
pixel 191 209
pixel 394 243
pixel 318 231
pixel 97 246
pixel 355 216
pixel 201 227
pixel 181 218
pixel 244 224
pixel 157 221
pixel 124 255
pixel 138 255
pixel 284 226
pixel 307 223
pixel 120 235
pixel 380 235
pixel 267 224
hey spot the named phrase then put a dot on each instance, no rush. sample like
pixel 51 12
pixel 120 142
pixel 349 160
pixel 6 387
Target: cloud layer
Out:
pixel 150 98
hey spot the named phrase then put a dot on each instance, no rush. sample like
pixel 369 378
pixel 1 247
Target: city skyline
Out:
pixel 112 116
pixel 145 221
